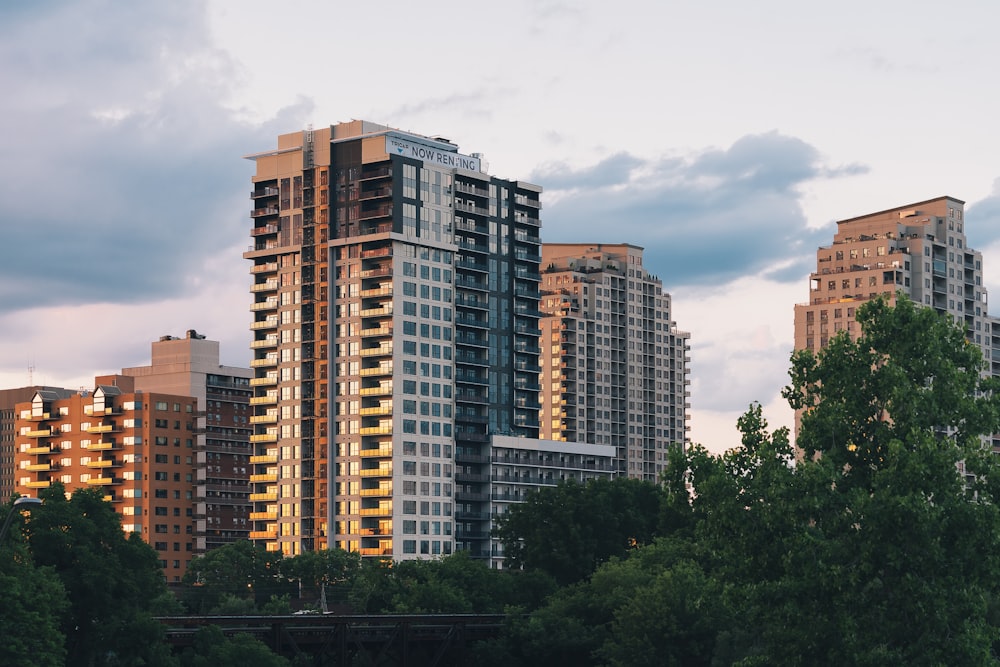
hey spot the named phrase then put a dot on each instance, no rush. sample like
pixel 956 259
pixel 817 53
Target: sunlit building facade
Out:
pixel 137 447
pixel 395 332
pixel 190 366
pixel 920 250
pixel 615 366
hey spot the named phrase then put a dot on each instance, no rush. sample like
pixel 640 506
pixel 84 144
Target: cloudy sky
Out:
pixel 725 137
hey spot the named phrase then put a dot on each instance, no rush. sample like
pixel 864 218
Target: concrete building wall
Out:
pixel 190 366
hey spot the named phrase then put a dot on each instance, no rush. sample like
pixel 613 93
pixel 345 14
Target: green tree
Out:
pixel 570 529
pixel 32 602
pixel 212 648
pixel 900 549
pixel 322 574
pixel 878 546
pixel 241 569
pixel 111 580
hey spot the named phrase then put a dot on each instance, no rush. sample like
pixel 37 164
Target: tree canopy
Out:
pixel 568 530
pixel 877 545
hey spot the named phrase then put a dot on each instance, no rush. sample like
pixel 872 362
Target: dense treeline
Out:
pixel 878 544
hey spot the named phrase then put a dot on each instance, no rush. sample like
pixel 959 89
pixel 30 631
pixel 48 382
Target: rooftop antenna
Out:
pixel 31 373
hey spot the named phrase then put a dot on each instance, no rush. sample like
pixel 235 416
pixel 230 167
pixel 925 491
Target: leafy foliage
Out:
pixel 568 530
pixel 110 579
pixel 32 602
pixel 212 648
pixel 872 548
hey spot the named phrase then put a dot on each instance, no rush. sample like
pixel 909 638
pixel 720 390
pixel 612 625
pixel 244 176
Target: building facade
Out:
pixel 615 367
pixel 920 250
pixel 395 332
pixel 189 366
pixel 137 447
pixel 9 398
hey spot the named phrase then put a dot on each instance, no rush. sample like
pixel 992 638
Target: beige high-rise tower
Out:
pixel 614 365
pixel 919 250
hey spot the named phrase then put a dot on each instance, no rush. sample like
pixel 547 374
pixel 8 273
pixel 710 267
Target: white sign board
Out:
pixel 412 149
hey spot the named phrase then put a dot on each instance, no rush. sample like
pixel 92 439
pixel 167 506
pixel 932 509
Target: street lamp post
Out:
pixel 22 503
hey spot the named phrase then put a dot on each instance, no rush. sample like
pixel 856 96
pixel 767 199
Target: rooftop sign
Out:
pixel 395 145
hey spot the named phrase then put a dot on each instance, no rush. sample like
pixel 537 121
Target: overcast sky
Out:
pixel 723 137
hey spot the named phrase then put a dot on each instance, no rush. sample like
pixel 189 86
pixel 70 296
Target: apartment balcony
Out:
pixel 375 193
pixel 380 492
pixel 263 211
pixel 264 230
pixel 383 311
pixel 266 362
pixel 264 192
pixel 380 351
pixel 265 477
pixel 266 286
pixel 269 534
pixel 265 343
pixel 270 304
pixel 264 437
pixel 264 400
pixel 384 369
pixel 472 301
pixel 267 497
pixel 264 419
pixel 384 251
pixel 375 551
pixel 382 471
pixel 104 445
pixel 264 458
pixel 378 332
pixel 377 511
pixel 37 418
pixel 381 290
pixel 270 515
pixel 471 283
pixel 105 428
pixel 376 452
pixel 40 433
pixel 381 390
pixel 45 449
pixel 376 430
pixel 42 467
pixel 270 323
pixel 267 267
pixel 470 321
pixel 103 481
pixel 40 484
pixel 104 463
pixel 385 270
pixel 263 382
pixel 381 410
pixel 381 211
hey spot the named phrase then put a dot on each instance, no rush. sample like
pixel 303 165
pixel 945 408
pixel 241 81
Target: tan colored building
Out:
pixel 920 250
pixel 137 447
pixel 189 366
pixel 614 366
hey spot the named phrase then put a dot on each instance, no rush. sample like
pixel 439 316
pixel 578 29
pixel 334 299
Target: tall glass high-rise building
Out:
pixel 395 331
